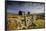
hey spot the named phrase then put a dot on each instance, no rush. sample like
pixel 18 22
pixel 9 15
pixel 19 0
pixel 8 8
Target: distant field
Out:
pixel 15 22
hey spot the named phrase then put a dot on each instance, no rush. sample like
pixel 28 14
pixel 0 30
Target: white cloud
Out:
pixel 38 9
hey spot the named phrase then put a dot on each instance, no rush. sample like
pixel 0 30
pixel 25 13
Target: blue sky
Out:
pixel 32 8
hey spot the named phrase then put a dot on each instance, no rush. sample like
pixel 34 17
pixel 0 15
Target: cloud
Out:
pixel 32 8
pixel 38 9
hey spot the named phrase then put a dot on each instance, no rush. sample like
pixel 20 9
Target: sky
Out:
pixel 14 7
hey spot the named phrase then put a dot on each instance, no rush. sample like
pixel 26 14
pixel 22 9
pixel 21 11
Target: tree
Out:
pixel 20 12
pixel 28 12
